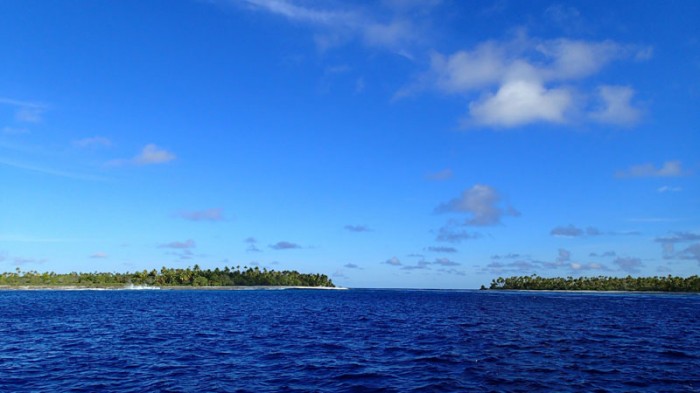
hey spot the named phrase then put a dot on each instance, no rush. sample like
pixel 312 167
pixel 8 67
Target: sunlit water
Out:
pixel 356 340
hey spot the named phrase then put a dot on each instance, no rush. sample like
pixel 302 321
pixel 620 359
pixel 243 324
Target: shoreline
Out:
pixel 586 291
pixel 157 288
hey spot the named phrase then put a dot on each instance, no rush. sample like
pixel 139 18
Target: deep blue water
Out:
pixel 356 340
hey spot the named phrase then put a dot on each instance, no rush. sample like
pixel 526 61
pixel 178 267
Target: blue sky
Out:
pixel 396 143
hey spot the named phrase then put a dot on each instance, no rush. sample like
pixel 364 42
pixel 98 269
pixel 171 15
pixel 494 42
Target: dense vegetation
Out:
pixel 600 283
pixel 195 277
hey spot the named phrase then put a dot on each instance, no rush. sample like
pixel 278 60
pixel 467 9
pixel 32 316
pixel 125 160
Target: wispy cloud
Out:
pixel 522 264
pixel 691 252
pixel 351 266
pixel 14 130
pixel 605 254
pixel 441 249
pixel 615 106
pixel 92 142
pixel 393 261
pixel 50 171
pixel 587 266
pixel 99 255
pixel 252 244
pixel 507 256
pixel 357 228
pixel 482 202
pixel 336 26
pixel 445 262
pixel 668 169
pixel 442 175
pixel 669 245
pixel 214 214
pixel 180 245
pixel 664 189
pixel 149 155
pixel 630 265
pixel 423 264
pixel 181 249
pixel 452 233
pixel 284 245
pixel 20 261
pixel 418 266
pixel 25 111
pixel 573 231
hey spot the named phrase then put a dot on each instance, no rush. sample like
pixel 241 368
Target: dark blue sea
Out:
pixel 347 341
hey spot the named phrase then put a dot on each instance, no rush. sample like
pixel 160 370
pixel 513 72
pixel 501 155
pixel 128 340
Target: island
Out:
pixel 600 283
pixel 194 277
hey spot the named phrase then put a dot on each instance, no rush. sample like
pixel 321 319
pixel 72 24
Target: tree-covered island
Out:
pixel 168 277
pixel 599 283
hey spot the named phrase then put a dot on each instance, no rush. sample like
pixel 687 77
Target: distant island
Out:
pixel 168 277
pixel 600 283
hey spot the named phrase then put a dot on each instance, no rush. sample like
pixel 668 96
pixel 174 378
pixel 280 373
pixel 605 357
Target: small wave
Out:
pixel 677 354
pixel 141 287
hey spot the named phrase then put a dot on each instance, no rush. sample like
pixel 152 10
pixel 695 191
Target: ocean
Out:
pixel 357 340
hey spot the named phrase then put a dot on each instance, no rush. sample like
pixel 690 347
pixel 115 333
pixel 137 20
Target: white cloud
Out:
pixel 99 255
pixel 393 261
pixel 521 102
pixel 668 169
pixel 572 59
pixel 616 107
pixel 522 58
pixel 481 202
pixel 527 80
pixel 468 70
pixel 152 154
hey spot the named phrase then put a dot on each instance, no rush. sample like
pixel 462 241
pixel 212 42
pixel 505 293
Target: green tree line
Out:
pixel 196 277
pixel 600 283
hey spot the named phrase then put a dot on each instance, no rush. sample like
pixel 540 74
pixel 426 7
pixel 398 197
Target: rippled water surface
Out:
pixel 355 340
